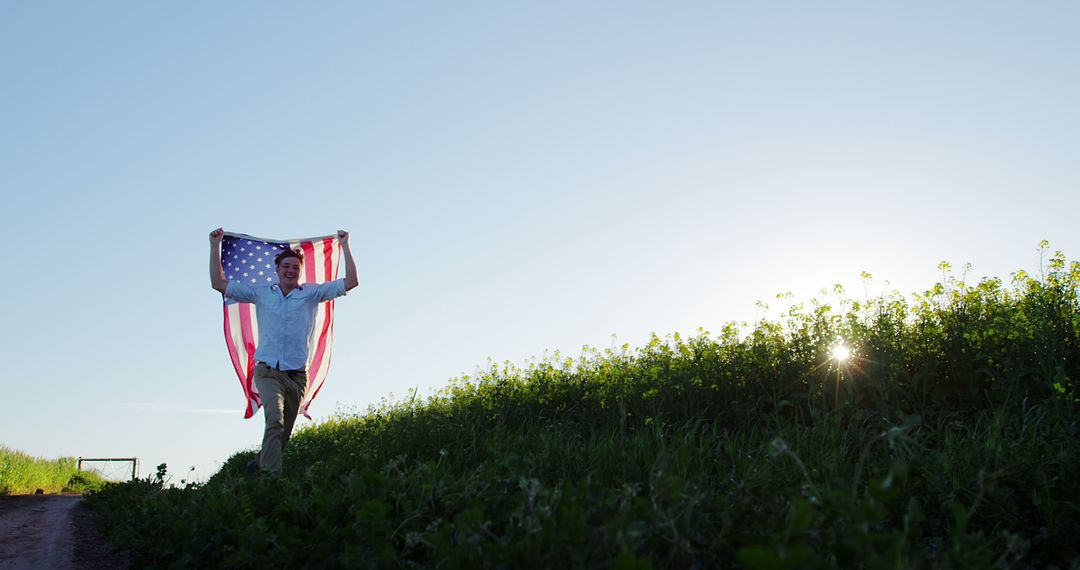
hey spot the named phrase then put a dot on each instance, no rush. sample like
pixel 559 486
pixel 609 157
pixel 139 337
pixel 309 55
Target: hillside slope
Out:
pixel 948 438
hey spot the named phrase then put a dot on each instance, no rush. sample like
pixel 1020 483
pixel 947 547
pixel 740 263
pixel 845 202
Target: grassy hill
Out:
pixel 947 439
pixel 22 474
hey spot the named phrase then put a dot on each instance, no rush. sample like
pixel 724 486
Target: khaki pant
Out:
pixel 280 392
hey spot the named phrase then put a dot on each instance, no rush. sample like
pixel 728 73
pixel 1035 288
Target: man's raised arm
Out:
pixel 351 278
pixel 217 274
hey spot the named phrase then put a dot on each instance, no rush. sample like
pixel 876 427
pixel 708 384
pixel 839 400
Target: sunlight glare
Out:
pixel 840 353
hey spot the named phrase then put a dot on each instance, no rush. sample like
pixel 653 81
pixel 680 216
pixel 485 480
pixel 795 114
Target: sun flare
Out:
pixel 840 353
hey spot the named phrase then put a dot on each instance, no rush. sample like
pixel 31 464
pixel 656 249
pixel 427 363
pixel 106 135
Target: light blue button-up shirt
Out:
pixel 286 323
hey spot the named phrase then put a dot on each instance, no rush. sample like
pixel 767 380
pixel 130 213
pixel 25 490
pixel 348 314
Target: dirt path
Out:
pixel 51 531
pixel 36 531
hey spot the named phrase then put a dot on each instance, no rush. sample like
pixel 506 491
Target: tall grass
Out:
pixel 948 440
pixel 22 474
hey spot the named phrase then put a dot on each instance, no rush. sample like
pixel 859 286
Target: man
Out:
pixel 286 314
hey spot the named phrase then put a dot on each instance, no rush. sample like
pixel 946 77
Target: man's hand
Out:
pixel 351 279
pixel 217 275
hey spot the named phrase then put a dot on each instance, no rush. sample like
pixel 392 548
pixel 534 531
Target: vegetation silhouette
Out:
pixel 946 436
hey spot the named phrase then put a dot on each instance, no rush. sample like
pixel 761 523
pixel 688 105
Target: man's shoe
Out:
pixel 252 467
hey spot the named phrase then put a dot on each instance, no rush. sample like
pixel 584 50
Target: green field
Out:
pixel 22 474
pixel 949 439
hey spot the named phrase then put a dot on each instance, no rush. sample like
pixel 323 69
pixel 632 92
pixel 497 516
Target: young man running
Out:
pixel 286 314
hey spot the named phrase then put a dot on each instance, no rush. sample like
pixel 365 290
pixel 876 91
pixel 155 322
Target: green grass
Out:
pixel 949 440
pixel 22 474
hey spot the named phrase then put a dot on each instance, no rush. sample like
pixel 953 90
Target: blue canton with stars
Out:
pixel 249 261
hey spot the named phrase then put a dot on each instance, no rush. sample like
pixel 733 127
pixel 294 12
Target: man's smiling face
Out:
pixel 288 272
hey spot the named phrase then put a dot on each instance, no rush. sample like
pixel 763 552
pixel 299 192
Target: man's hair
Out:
pixel 289 253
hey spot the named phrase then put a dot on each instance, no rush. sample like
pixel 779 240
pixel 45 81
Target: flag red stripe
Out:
pixel 249 344
pixel 246 331
pixel 235 356
pixel 328 259
pixel 322 346
pixel 317 362
pixel 309 267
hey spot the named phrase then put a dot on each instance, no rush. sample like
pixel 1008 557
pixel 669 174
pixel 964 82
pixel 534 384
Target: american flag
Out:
pixel 251 259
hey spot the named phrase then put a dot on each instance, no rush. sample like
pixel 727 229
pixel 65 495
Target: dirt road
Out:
pixel 51 531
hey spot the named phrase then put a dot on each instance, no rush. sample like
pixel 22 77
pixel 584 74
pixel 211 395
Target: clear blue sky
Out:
pixel 516 177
